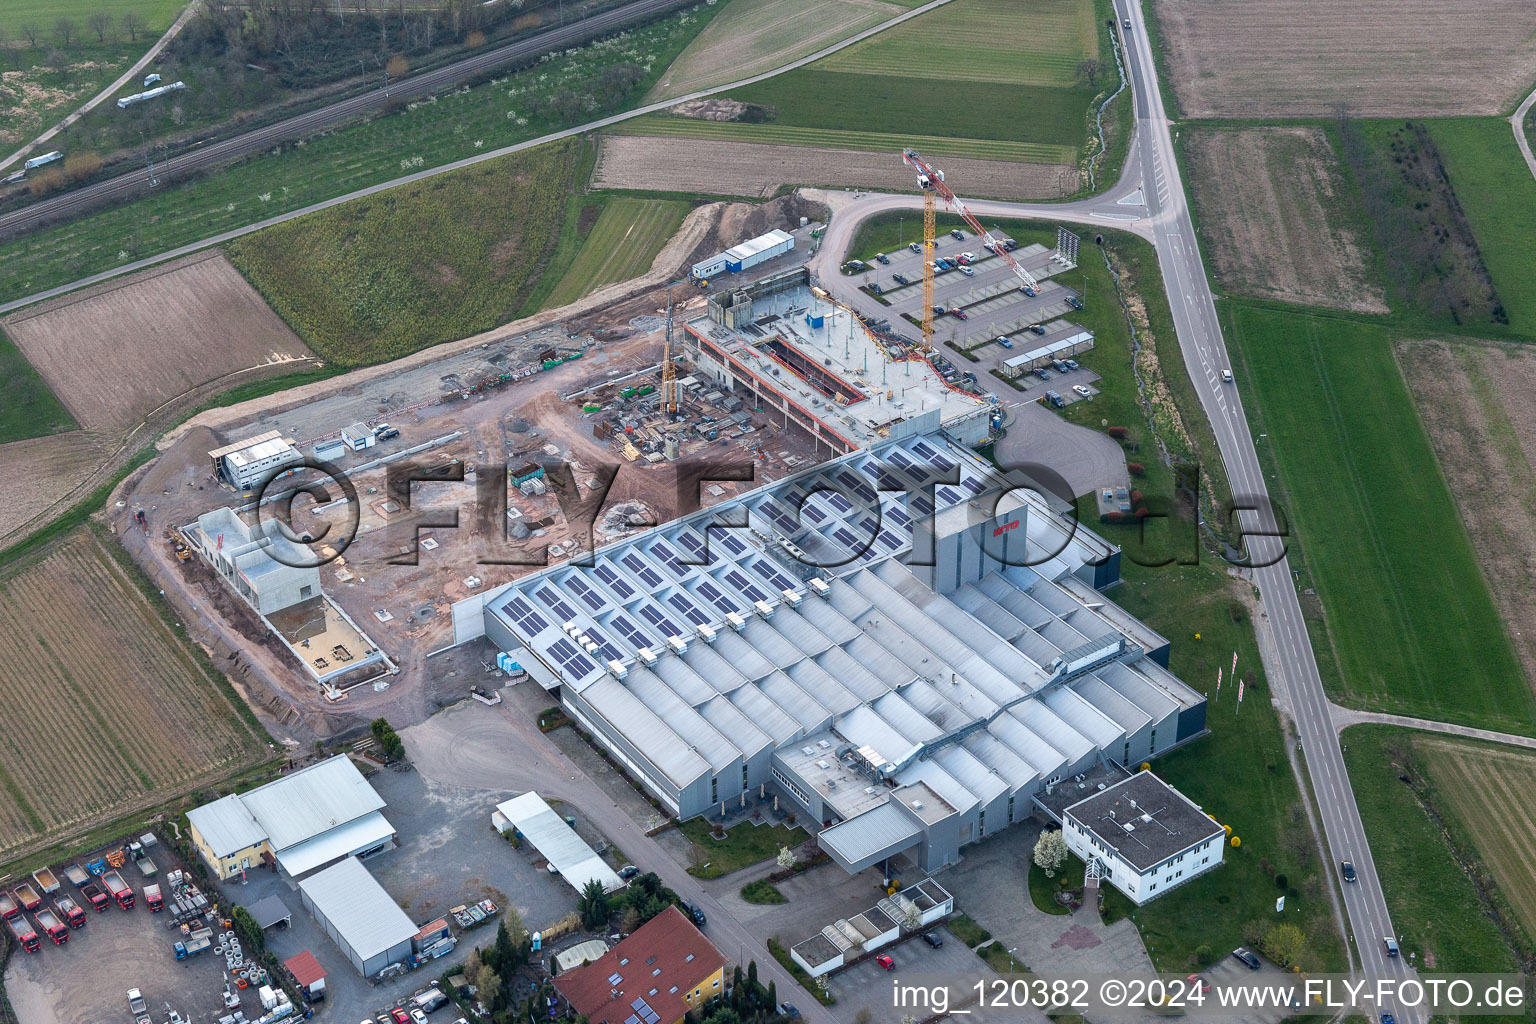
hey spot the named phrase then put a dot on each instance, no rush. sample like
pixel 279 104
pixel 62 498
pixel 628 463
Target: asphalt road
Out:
pixel 137 181
pixel 1149 200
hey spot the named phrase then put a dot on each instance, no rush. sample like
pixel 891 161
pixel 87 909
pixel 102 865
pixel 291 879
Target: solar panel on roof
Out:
pixel 697 548
pixel 839 502
pixel 900 458
pixel 889 541
pixel 743 585
pixel 615 582
pixel 689 609
pixel 732 544
pixel 609 652
pixel 589 596
pixel 646 574
pixel 631 633
pixel 950 495
pixel 846 539
pixel 974 485
pixel 769 572
pixel 899 514
pixel 923 505
pixel 665 555
pixel 659 619
pixel 812 513
pixel 549 597
pixel 524 617
pixel 713 595
pixel 856 485
pixel 570 659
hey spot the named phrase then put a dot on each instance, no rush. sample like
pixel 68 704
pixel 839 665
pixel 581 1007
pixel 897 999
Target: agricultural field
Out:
pixel 1272 209
pixel 622 243
pixel 106 708
pixel 1376 523
pixel 576 86
pixel 1439 911
pixel 1478 403
pixel 478 241
pixel 29 409
pixel 889 143
pixel 1377 58
pixel 1498 194
pixel 38 472
pixel 749 37
pixel 155 15
pixel 117 352
pixel 1492 791
pixel 719 167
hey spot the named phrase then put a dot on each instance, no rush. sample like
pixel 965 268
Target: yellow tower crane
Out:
pixel 668 369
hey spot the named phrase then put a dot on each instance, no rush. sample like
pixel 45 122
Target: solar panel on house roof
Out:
pixel 615 582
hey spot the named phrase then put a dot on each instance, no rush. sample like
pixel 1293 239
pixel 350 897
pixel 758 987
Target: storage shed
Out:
pixel 360 917
pixel 357 437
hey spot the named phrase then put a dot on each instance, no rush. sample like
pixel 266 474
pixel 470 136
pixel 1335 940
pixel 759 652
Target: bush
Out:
pixel 80 166
pixel 1204 956
pixel 1135 469
pixel 1119 433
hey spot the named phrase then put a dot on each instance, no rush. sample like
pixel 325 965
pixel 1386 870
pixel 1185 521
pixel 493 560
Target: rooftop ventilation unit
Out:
pixel 707 633
pixel 678 644
pixel 735 621
pixel 570 628
pixel 618 669
pixel 646 656
pixel 824 766
pixel 807 750
pixel 793 597
pixel 819 586
pixel 590 646
pixel 763 608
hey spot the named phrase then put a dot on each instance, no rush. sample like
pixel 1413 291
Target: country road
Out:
pixel 1150 201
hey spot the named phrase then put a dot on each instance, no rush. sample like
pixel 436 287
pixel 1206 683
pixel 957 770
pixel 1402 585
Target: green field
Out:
pixel 441 259
pixel 568 89
pixel 1498 193
pixel 1028 42
pixel 1412 623
pixel 156 15
pixel 1235 903
pixel 1435 906
pixel 29 408
pixel 621 245
pixel 787 135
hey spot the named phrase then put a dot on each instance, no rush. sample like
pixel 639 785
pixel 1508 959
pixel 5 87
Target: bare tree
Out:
pixel 132 24
pixel 100 23
pixel 64 31
pixel 397 66
pixel 1090 69
pixel 32 33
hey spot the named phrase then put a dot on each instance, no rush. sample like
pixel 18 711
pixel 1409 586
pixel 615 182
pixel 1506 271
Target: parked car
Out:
pixel 1071 364
pixel 788 1010
pixel 1082 390
pixel 1226 376
pixel 1074 302
pixel 939 311
pixel 1042 373
pixel 1055 399
pixel 1037 328
pixel 1348 871
pixel 933 939
pixel 967 257
pixel 885 961
pixel 874 286
pixel 959 235
pixel 1004 342
pixel 1247 956
pixel 915 247
pixel 1198 982
pixel 960 314
pixel 399 1016
pixel 695 913
pixel 418 1016
pixel 1010 244
pixel 882 257
pixel 899 278
pixel 967 271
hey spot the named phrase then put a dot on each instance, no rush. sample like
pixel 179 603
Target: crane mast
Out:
pixel 668 370
pixel 931 181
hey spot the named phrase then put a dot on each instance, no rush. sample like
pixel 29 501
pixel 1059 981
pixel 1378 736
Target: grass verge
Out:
pixel 744 845
pixel 1042 890
pixel 30 408
pixel 967 931
pixel 762 892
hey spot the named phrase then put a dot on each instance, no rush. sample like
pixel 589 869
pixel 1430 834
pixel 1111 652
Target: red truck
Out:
pixel 70 911
pixel 22 930
pixel 27 896
pixel 50 922
pixel 121 891
pixel 94 893
pixel 153 900
pixel 8 907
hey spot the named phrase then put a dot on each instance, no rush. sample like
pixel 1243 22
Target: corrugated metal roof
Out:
pixel 733 722
pixel 1046 724
pixel 1106 699
pixel 876 830
pixel 686 724
pixel 803 707
pixel 558 842
pixel 630 718
pixel 366 917
pixel 311 801
pixel 1083 717
pixel 226 826
pixel 768 715
pixel 1019 773
pixel 353 837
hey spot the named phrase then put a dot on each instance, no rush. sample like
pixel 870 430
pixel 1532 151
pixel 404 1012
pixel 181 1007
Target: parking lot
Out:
pixel 85 981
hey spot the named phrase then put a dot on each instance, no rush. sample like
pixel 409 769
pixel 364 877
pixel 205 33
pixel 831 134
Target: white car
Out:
pixel 967 271
pixel 417 1016
pixel 1082 390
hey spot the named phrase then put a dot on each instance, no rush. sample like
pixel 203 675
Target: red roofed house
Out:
pixel 655 976
pixel 307 973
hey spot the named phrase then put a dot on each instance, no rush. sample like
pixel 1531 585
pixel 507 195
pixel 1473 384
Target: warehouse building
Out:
pixel 908 662
pixel 299 823
pixel 811 364
pixel 1143 836
pixel 247 464
pixel 363 920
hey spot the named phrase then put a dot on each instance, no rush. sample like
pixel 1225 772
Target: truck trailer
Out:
pixel 9 908
pixel 23 932
pixel 121 891
pixel 46 880
pixel 76 875
pixel 51 923
pixel 95 894
pixel 27 896
pixel 70 911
